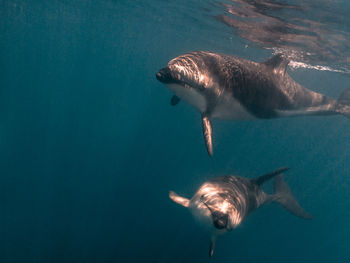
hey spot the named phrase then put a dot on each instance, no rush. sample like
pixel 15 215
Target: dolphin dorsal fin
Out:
pixel 264 178
pixel 277 63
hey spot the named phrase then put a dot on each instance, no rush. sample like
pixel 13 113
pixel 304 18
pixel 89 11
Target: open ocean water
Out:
pixel 90 145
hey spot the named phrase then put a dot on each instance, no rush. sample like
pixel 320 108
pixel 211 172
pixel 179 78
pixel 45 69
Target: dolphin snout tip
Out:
pixel 159 76
pixel 164 75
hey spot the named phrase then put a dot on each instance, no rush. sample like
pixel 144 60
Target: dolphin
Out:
pixel 231 88
pixel 223 202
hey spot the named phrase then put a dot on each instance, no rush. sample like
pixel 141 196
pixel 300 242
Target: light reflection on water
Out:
pixel 310 34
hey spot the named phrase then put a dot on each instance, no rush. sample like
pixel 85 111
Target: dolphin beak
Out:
pixel 164 75
pixel 159 76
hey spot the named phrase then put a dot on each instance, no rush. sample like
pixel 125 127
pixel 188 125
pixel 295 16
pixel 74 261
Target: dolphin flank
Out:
pixel 231 88
pixel 223 202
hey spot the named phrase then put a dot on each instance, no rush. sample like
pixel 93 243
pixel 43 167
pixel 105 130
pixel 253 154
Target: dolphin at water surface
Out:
pixel 223 202
pixel 231 88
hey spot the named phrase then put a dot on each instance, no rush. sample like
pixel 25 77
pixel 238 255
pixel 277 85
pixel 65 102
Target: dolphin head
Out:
pixel 190 69
pixel 189 77
pixel 165 76
pixel 220 219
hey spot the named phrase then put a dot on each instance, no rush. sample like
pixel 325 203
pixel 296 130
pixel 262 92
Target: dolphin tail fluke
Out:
pixel 344 103
pixel 179 199
pixel 284 197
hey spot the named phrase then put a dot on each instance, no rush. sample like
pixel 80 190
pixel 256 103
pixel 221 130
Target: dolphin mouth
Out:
pixel 164 76
pixel 219 219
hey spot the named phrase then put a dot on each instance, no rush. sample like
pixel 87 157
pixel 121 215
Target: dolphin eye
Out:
pixel 201 88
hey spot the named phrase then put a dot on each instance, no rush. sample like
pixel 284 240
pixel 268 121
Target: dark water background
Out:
pixel 90 145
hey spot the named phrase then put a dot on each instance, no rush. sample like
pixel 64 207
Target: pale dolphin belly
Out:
pixel 322 110
pixel 189 95
pixel 229 108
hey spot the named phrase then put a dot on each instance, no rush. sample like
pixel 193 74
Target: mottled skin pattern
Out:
pixel 262 88
pixel 235 196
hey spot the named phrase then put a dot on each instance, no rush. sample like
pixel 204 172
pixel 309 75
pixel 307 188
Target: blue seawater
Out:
pixel 90 146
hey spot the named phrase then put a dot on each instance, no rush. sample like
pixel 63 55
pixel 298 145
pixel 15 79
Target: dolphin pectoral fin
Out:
pixel 212 247
pixel 174 100
pixel 179 199
pixel 207 133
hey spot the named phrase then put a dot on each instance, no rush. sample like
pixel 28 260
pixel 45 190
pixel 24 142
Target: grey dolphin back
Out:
pixel 344 103
pixel 284 197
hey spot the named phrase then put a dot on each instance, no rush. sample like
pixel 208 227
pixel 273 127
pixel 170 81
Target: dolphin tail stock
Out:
pixel 179 199
pixel 283 196
pixel 343 103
